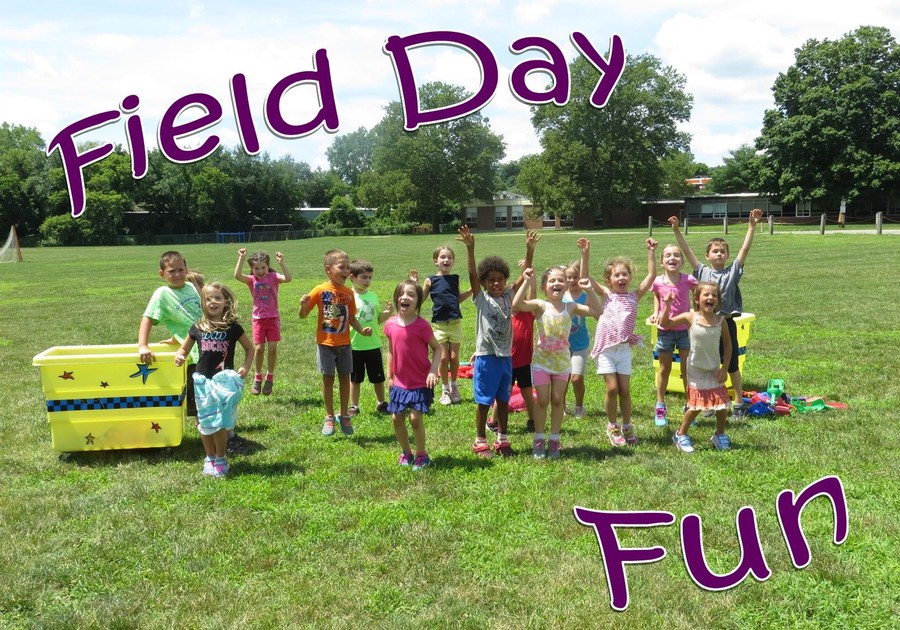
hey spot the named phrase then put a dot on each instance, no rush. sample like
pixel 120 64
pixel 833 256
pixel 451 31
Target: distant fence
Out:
pixel 821 222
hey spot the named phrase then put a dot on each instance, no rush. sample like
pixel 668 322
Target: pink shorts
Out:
pixel 540 377
pixel 266 329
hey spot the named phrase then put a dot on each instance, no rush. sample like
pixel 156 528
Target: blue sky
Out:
pixel 63 61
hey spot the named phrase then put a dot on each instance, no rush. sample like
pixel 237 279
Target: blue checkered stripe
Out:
pixel 118 402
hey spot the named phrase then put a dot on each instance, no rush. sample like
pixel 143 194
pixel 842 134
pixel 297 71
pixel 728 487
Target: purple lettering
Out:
pixel 556 67
pixel 790 510
pixel 752 559
pixel 134 134
pixel 614 557
pixel 610 71
pixel 169 131
pixel 73 161
pixel 240 102
pixel 396 47
pixel 327 115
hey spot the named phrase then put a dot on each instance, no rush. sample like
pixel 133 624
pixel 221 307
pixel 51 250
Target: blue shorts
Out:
pixel 491 379
pixel 668 340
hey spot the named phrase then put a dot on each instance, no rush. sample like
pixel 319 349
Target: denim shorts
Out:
pixel 668 340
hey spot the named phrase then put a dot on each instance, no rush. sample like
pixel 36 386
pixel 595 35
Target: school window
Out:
pixel 804 209
pixel 518 216
pixel 501 213
pixel 472 217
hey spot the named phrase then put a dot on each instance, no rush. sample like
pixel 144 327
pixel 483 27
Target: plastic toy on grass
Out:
pixel 103 397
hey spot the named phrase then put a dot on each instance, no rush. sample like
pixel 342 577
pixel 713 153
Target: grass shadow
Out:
pixel 271 469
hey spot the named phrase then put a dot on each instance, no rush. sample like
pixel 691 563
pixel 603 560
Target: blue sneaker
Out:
pixel 720 441
pixel 683 443
pixel 220 467
pixel 422 461
pixel 661 419
pixel 328 426
pixel 346 425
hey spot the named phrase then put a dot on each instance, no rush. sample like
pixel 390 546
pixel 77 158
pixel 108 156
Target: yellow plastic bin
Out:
pixel 743 324
pixel 103 397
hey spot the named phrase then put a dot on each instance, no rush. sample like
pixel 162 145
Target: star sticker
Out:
pixel 155 427
pixel 67 376
pixel 144 371
pixel 104 384
pixel 89 438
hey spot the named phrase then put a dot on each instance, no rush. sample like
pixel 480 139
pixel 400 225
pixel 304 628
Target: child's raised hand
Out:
pixel 466 236
pixel 242 252
pixel 674 222
pixel 531 238
pixel 414 275
pixel 521 264
pixel 584 245
pixel 388 307
pixel 651 244
pixel 528 273
pixel 755 216
pixel 279 257
pixel 585 284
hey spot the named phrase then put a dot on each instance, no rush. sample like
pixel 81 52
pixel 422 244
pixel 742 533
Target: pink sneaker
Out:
pixel 614 433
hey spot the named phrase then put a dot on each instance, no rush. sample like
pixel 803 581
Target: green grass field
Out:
pixel 330 532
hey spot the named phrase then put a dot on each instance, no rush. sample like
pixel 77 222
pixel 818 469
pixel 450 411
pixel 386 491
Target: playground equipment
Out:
pixel 742 323
pixel 103 397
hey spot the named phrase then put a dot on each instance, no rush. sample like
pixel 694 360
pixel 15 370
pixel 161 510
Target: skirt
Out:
pixel 399 399
pixel 705 392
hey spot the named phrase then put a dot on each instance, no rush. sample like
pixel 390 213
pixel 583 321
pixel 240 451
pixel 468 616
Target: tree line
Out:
pixel 833 134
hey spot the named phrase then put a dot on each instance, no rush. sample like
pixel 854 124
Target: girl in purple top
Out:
pixel 615 336
pixel 411 376
pixel 266 322
pixel 680 286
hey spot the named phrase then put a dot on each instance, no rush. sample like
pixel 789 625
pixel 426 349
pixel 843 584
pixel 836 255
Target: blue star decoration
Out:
pixel 155 427
pixel 144 371
pixel 89 438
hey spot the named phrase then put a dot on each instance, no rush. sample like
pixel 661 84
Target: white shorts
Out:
pixel 579 361
pixel 615 360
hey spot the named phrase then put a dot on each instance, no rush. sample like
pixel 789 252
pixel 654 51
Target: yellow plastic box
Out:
pixel 103 397
pixel 743 324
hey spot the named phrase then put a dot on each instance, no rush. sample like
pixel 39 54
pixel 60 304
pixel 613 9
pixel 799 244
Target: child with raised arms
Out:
pixel 728 278
pixel 615 336
pixel 551 363
pixel 680 286
pixel 579 335
pixel 217 386
pixel 336 316
pixel 492 373
pixel 411 376
pixel 446 317
pixel 266 319
pixel 706 371
pixel 367 349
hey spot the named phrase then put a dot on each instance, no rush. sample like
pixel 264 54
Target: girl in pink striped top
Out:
pixel 615 336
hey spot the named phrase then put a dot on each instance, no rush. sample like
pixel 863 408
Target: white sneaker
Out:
pixel 683 443
pixel 720 441
pixel 445 397
pixel 579 412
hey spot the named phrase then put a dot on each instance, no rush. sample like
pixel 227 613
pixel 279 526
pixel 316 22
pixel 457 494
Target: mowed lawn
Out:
pixel 330 532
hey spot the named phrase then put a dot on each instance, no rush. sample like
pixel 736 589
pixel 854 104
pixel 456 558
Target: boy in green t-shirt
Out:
pixel 367 350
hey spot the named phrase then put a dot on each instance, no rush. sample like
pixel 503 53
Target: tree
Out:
pixel 25 184
pixel 341 214
pixel 351 155
pixel 439 166
pixel 835 130
pixel 595 160
pixel 737 173
pixel 677 167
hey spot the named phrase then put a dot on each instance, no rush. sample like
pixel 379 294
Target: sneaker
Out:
pixel 382 407
pixel 267 387
pixel 614 433
pixel 238 445
pixel 328 426
pixel 346 425
pixel 529 426
pixel 661 419
pixel 578 412
pixel 353 411
pixel 482 450
pixel 720 442
pixel 537 449
pixel 422 461
pixel 220 467
pixel 628 434
pixel 737 411
pixel 492 424
pixel 683 443
pixel 257 387
pixel 208 467
pixel 445 397
pixel 553 449
pixel 503 449
pixel 405 459
pixel 455 398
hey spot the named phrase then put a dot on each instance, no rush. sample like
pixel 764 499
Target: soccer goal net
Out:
pixel 261 232
pixel 11 252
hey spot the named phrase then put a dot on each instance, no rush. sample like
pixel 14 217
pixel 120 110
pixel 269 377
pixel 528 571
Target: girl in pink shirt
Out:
pixel 411 377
